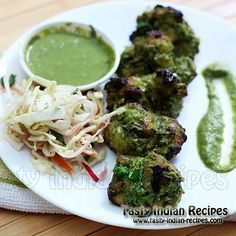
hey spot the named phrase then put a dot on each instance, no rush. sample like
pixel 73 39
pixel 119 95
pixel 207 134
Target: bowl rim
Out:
pixel 104 36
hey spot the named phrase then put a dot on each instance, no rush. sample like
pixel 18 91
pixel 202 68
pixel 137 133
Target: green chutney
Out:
pixel 211 127
pixel 75 57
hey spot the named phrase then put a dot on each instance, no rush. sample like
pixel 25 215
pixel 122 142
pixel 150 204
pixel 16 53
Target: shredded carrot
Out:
pixel 90 171
pixel 89 153
pixel 59 161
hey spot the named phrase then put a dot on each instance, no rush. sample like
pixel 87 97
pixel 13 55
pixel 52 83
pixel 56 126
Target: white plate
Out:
pixel 80 195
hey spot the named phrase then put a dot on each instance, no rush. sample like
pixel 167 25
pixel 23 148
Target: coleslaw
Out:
pixel 60 125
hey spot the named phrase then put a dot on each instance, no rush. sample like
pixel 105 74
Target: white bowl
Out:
pixel 37 29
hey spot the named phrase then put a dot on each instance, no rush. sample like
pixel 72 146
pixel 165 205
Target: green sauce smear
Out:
pixel 69 55
pixel 211 127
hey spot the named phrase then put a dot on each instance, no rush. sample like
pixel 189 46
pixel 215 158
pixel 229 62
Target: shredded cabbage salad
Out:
pixel 60 125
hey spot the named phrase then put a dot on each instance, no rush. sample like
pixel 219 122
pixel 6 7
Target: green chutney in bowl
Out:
pixel 70 53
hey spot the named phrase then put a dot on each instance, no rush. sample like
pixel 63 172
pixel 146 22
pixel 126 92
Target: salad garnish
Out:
pixel 60 125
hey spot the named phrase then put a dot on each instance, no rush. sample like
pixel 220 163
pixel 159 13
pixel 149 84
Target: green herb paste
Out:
pixel 70 57
pixel 211 127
